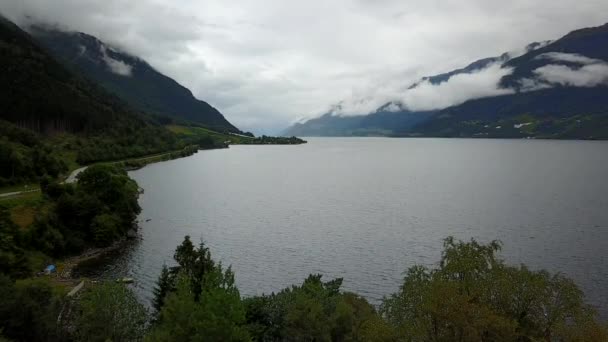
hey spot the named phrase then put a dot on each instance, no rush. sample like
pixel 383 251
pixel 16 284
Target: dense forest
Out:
pixel 25 157
pixel 470 296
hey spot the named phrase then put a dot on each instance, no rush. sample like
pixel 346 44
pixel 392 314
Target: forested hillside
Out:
pixel 51 101
pixel 130 78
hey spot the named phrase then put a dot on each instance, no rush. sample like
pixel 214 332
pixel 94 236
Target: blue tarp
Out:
pixel 50 268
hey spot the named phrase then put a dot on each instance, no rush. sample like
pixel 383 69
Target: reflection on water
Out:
pixel 366 209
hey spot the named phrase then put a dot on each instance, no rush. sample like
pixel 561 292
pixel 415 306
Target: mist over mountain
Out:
pixel 555 89
pixel 129 77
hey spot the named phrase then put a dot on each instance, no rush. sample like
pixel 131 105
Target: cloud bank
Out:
pixel 457 90
pixel 588 73
pixel 581 71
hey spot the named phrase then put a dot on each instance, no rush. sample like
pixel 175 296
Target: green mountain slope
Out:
pixel 130 78
pixel 80 118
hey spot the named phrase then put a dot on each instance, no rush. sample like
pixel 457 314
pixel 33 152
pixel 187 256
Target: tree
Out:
pixel 110 311
pixel 193 263
pixel 164 285
pixel 97 210
pixel 29 309
pixel 314 311
pixel 106 229
pixel 216 315
pixel 12 256
pixel 473 295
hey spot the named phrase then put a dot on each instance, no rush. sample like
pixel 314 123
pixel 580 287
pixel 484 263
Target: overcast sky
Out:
pixel 267 63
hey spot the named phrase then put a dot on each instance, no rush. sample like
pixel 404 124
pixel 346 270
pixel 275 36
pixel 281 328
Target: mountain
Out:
pixel 42 97
pixel 559 91
pixel 129 77
pixel 556 89
pixel 389 119
pixel 380 123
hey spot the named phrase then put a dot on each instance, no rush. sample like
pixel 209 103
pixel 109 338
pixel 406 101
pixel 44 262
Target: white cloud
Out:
pixel 427 96
pixel 118 67
pixel 568 57
pixel 586 76
pixel 458 89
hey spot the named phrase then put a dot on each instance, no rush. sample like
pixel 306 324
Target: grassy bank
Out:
pixel 193 132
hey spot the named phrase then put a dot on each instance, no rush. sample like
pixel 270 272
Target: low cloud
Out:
pixel 115 66
pixel 457 90
pixel 425 96
pixel 589 72
pixel 568 57
pixel 580 71
pixel 587 76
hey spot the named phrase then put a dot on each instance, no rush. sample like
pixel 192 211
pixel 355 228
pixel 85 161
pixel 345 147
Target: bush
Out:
pixel 106 229
pixel 474 296
pixel 198 300
pixel 110 312
pixel 29 309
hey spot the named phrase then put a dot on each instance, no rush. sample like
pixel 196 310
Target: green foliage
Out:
pixel 314 311
pixel 474 296
pixel 266 140
pixel 211 139
pixel 164 285
pixel 198 300
pixel 217 315
pixel 24 157
pixel 105 229
pixel 471 296
pixel 110 312
pixel 98 210
pixel 13 260
pixel 29 309
pixel 129 141
pixel 193 264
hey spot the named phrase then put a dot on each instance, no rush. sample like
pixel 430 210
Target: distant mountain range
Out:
pixel 129 77
pixel 555 89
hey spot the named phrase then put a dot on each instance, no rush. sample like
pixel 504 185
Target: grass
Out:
pixel 23 207
pixel 18 187
pixel 190 131
pixel 23 199
pixel 23 215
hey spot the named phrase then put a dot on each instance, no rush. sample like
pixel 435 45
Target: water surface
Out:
pixel 367 208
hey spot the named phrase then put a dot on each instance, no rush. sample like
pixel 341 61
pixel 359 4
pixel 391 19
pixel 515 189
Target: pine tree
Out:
pixel 164 285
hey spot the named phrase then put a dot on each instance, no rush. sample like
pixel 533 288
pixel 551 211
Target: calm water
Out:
pixel 367 208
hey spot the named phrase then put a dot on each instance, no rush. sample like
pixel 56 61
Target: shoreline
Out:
pixel 65 267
